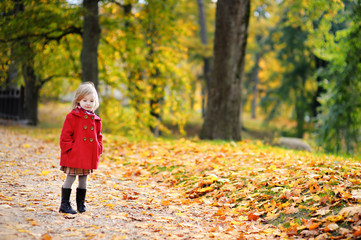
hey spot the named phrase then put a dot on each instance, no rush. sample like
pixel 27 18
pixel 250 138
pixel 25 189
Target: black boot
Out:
pixel 80 198
pixel 65 206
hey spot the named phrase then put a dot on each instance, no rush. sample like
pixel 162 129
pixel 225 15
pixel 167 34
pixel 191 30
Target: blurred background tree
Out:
pixel 153 63
pixel 28 30
pixel 222 119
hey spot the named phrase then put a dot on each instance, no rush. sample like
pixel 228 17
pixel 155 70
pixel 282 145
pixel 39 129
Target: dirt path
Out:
pixel 118 208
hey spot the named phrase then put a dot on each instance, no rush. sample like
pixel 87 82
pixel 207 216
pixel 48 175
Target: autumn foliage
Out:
pixel 294 193
pixel 174 189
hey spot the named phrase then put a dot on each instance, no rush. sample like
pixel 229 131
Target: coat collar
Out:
pixel 80 113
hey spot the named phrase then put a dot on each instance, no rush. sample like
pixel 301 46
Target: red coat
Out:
pixel 81 141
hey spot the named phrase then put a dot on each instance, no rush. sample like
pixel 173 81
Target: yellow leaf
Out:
pixel 25 145
pixel 205 190
pixel 95 226
pixel 236 223
pixel 335 218
pixel 179 213
pixel 90 234
pixel 32 222
pixel 44 172
pixel 271 216
pixel 243 218
pixel 119 237
pixel 110 205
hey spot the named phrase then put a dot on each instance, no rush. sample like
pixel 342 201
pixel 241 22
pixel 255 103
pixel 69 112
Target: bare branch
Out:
pixel 47 36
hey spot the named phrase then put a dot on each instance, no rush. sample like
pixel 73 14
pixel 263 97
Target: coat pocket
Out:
pixel 99 151
pixel 66 146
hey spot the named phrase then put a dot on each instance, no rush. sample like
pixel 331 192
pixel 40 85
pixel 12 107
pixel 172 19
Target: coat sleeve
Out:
pixel 66 137
pixel 100 136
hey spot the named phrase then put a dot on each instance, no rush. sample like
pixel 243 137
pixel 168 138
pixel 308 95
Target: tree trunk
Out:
pixel 156 80
pixel 300 117
pixel 223 116
pixel 155 109
pixel 320 89
pixel 206 60
pixel 32 87
pixel 136 92
pixel 31 93
pixel 300 107
pixel 91 35
pixel 255 85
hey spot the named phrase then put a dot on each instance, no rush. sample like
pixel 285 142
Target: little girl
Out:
pixel 81 145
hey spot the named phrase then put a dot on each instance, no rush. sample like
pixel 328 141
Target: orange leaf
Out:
pixel 214 229
pixel 220 212
pixel 252 217
pixel 269 207
pixel 357 233
pixel 324 199
pixel 313 226
pixel 45 236
pixel 185 201
pixel 241 237
pixel 292 231
pixel 165 203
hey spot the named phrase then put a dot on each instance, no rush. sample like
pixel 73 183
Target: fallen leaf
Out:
pixel 313 226
pixel 331 227
pixel 357 233
pixel 252 217
pixel 46 236
pixel 165 202
pixel 350 211
pixel 335 218
pixel 292 231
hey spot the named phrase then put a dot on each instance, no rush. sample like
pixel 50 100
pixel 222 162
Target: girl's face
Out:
pixel 87 102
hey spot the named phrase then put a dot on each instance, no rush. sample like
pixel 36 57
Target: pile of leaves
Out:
pixel 298 193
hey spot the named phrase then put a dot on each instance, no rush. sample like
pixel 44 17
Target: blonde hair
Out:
pixel 83 90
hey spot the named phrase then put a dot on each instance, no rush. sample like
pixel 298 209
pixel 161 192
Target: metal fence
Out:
pixel 12 104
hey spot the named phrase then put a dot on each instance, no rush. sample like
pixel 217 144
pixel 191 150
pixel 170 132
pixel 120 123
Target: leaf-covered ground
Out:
pixel 180 189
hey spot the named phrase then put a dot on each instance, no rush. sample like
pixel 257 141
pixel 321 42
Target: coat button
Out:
pixel 84 139
pixel 92 117
pixel 85 127
pixel 92 128
pixel 86 116
pixel 90 139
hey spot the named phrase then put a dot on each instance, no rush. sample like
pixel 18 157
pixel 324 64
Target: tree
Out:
pixel 295 89
pixel 27 28
pixel 223 116
pixel 145 57
pixel 91 35
pixel 339 122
